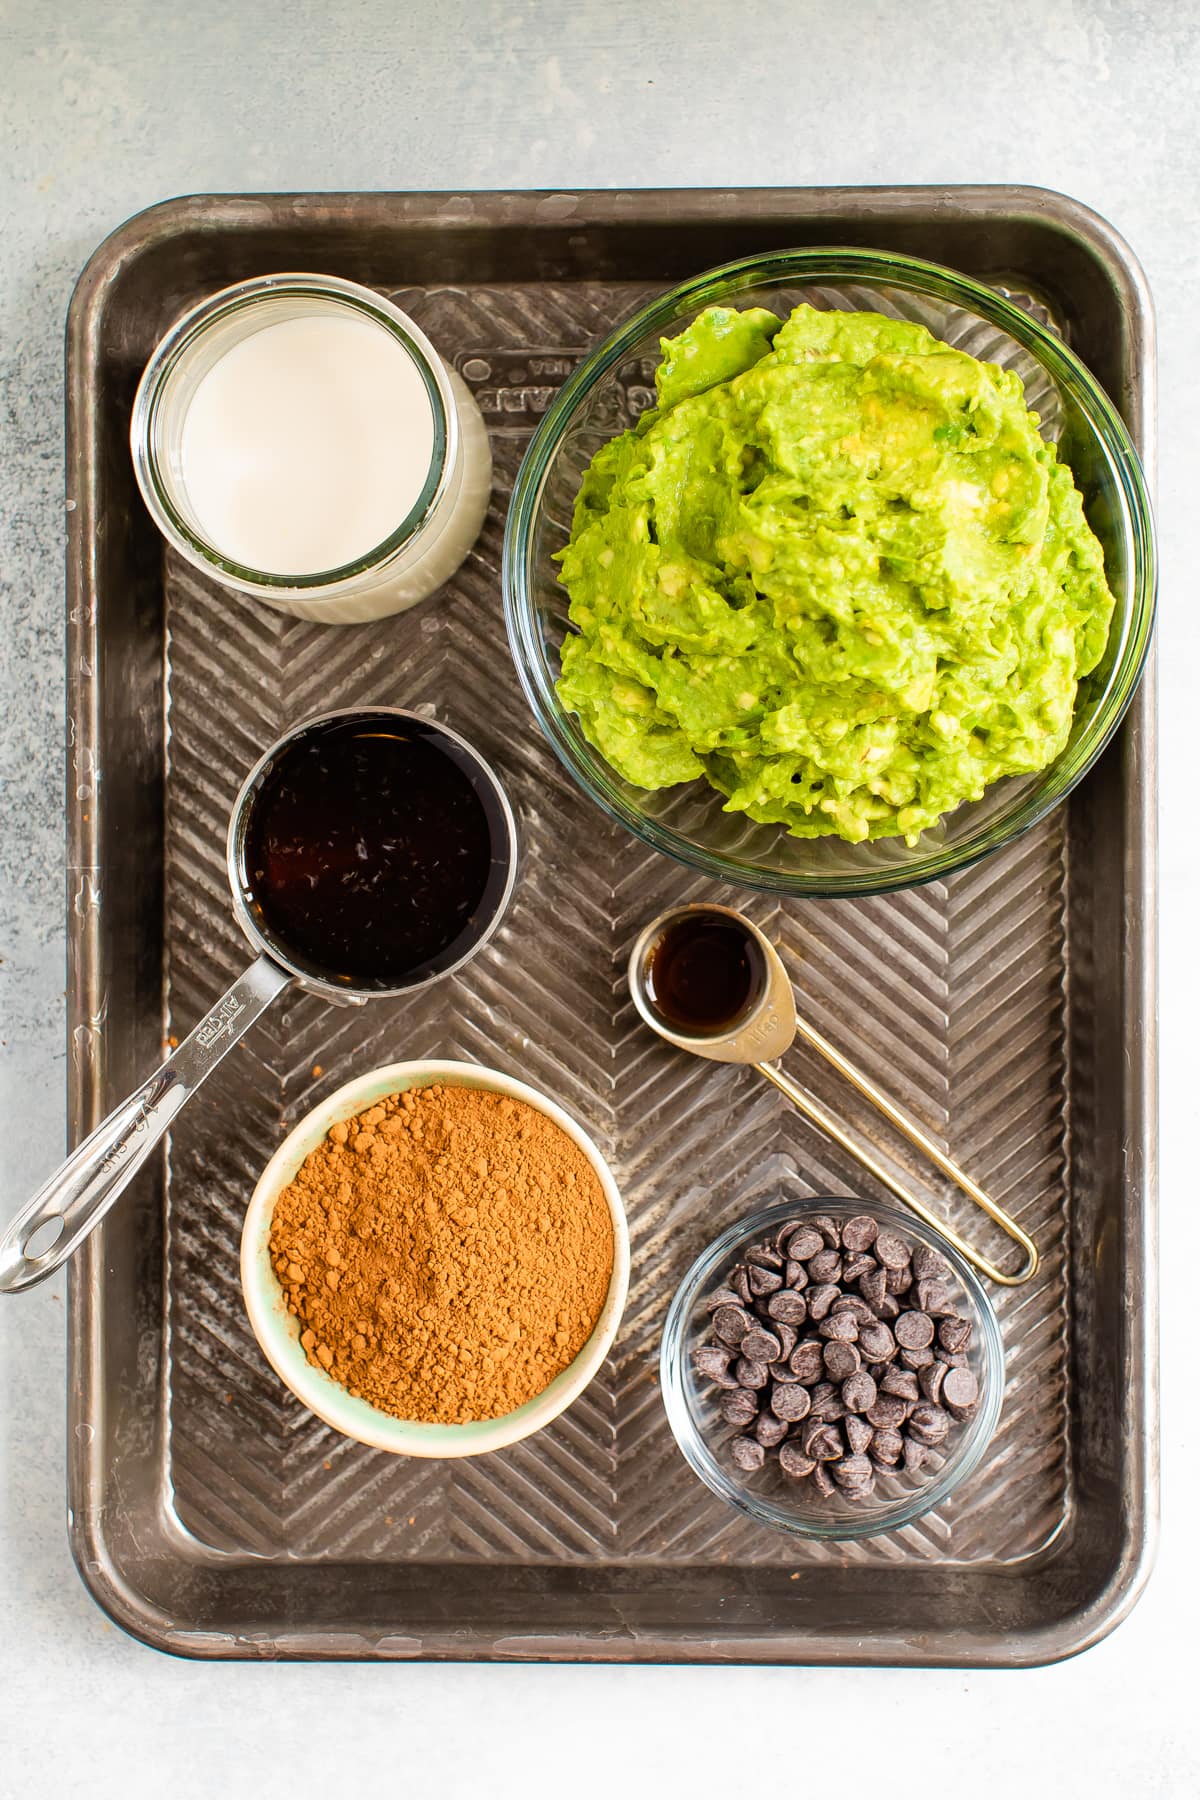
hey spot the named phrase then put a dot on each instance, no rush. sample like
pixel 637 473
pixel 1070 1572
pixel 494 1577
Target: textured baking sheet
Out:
pixel 975 1001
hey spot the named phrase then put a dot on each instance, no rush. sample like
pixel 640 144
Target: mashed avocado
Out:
pixel 836 572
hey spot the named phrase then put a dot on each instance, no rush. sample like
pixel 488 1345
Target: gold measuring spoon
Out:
pixel 723 993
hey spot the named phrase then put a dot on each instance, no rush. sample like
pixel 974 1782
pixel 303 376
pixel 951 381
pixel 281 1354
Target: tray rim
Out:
pixel 862 206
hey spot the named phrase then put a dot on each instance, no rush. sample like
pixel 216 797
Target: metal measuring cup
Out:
pixel 767 1027
pixel 76 1198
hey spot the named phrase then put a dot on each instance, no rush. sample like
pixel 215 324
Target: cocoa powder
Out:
pixel 448 1252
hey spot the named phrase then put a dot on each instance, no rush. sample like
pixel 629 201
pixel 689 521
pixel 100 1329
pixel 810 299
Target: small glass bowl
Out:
pixel 767 1495
pixel 615 385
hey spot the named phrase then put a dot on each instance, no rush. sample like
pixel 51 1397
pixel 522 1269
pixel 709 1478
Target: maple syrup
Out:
pixel 704 973
pixel 372 850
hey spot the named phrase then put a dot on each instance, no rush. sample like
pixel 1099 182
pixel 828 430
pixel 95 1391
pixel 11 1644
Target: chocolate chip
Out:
pixel 954 1334
pixel 859 1434
pixel 927 1263
pixel 873 1287
pixel 763 1256
pixel 917 1359
pixel 840 1326
pixel 915 1456
pixel 789 1307
pixel 770 1429
pixel 788 1337
pixel 731 1323
pixel 928 1424
pixel 892 1251
pixel 712 1360
pixel 808 1361
pixel 853 1471
pixel 888 1308
pixel 821 1299
pixel 933 1297
pixel 761 1346
pixel 764 1281
pixel 859 1394
pixel 796 1275
pixel 823 1481
pixel 887 1447
pixel 739 1407
pixel 877 1341
pixel 790 1403
pixel 784 1232
pixel 841 1360
pixel 913 1331
pixel 960 1392
pixel 750 1374
pixel 724 1296
pixel 793 1461
pixel 860 1489
pixel 782 1371
pixel 827 1403
pixel 897 1281
pixel 826 1265
pixel 855 1267
pixel 901 1382
pixel 747 1453
pixel 860 1232
pixel 829 1231
pixel 739 1281
pixel 852 1304
pixel 804 1243
pixel 888 1412
pixel 824 1443
pixel 931 1380
pixel 809 1433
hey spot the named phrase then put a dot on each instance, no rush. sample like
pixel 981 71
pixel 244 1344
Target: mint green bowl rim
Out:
pixel 278 1332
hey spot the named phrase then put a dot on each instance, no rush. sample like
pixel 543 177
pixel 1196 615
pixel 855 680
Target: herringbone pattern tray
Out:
pixel 952 996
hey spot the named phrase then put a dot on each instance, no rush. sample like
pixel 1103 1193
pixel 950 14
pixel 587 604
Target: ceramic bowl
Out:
pixel 278 1331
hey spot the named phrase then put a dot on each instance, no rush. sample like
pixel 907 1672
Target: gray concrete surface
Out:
pixel 105 108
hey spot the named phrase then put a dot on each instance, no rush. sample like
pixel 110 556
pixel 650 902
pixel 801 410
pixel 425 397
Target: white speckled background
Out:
pixel 108 105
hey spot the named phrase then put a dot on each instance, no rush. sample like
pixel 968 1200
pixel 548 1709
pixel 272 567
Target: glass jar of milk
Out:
pixel 298 438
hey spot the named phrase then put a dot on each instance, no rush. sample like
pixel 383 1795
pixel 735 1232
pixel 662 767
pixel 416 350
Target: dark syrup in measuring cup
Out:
pixel 703 974
pixel 372 850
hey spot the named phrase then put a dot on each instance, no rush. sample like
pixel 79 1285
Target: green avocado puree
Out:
pixel 836 572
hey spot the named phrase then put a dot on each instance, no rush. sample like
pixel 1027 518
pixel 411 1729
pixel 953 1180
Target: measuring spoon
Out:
pixel 51 1227
pixel 765 1028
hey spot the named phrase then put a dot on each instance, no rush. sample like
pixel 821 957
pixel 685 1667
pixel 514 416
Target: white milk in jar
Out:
pixel 300 440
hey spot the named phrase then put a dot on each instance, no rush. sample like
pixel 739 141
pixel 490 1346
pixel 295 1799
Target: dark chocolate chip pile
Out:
pixel 841 1351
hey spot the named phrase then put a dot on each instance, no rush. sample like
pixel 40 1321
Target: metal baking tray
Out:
pixel 1011 1008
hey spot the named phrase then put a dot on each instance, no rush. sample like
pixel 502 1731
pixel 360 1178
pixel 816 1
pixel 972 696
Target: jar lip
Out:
pixel 184 337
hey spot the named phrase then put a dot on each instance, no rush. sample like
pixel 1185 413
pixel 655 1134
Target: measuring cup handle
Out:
pixel 97 1173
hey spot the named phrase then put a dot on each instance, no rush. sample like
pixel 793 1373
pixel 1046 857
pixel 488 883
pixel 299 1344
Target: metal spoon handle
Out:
pixel 97 1173
pixel 825 1122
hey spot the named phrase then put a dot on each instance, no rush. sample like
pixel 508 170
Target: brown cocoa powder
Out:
pixel 448 1252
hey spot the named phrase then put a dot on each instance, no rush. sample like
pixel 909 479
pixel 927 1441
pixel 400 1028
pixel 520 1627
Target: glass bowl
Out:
pixel 767 1495
pixel 616 383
